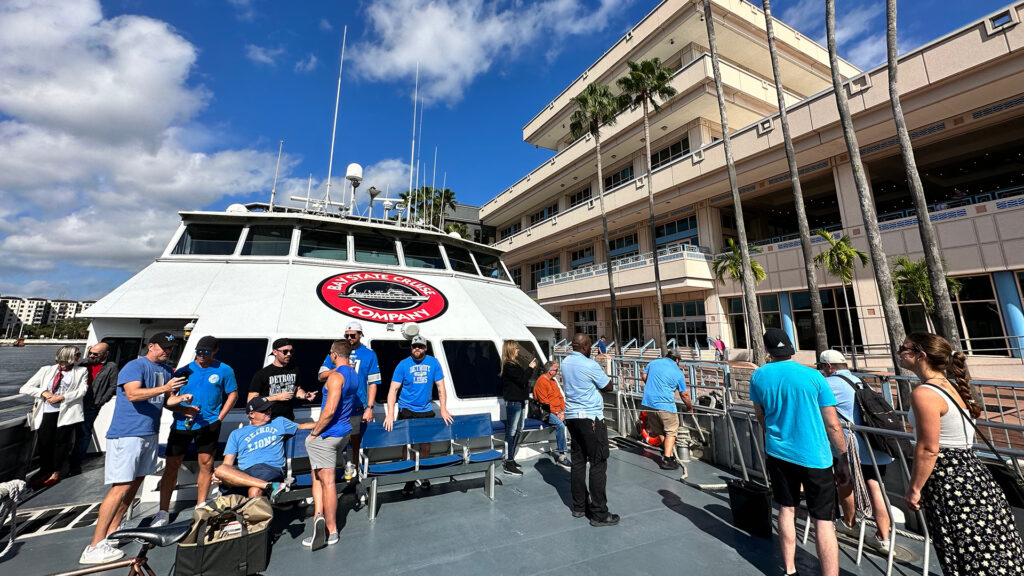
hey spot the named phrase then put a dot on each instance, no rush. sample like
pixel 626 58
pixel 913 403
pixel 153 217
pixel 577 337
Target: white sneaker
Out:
pixel 100 554
pixel 350 470
pixel 161 519
pixel 881 545
pixel 851 531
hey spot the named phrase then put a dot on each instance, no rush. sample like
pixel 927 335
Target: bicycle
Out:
pixel 149 538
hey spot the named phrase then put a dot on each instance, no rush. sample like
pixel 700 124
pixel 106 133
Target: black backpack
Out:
pixel 876 412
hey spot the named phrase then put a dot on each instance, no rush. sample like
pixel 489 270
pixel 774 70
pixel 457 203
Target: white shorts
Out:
pixel 129 458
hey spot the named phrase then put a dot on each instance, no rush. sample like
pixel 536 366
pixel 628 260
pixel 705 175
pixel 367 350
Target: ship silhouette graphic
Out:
pixel 389 295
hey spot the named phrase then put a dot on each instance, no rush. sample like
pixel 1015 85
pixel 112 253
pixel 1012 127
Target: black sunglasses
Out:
pixel 420 346
pixel 285 352
pixel 903 349
pixel 204 352
pixel 354 335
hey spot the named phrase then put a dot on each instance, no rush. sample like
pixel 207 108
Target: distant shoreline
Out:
pixel 42 342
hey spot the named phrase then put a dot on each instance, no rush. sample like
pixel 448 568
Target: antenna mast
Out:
pixel 273 190
pixel 412 153
pixel 334 130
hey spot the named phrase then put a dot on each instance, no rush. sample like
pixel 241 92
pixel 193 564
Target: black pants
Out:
pixel 589 445
pixel 53 443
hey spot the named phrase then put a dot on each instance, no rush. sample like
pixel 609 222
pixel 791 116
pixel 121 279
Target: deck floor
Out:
pixel 667 527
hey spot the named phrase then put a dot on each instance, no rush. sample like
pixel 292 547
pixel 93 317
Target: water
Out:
pixel 17 365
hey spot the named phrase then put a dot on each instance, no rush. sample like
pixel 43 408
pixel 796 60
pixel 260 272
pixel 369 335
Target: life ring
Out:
pixel 648 438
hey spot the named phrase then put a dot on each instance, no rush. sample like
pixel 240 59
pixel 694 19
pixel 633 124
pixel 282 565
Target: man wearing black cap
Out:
pixel 279 381
pixel 213 388
pixel 144 387
pixel 259 451
pixel 797 411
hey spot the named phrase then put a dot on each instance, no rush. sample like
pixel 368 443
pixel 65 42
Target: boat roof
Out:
pixel 455 529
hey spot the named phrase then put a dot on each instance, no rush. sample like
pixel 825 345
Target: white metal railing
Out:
pixel 688 251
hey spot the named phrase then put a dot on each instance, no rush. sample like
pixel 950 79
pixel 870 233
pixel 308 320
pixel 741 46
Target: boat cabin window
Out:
pixel 474 366
pixel 209 239
pixel 245 356
pixel 423 255
pixel 389 354
pixel 267 241
pixel 460 260
pixel 375 250
pixel 323 244
pixel 124 350
pixel 490 266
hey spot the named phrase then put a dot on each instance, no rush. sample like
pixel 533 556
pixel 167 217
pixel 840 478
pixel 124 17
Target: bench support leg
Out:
pixel 372 512
pixel 489 482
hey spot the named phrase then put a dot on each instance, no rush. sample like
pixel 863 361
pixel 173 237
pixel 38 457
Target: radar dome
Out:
pixel 236 208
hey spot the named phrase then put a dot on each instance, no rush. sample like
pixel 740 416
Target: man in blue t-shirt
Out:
pixel 364 362
pixel 796 409
pixel 663 382
pixel 416 376
pixel 144 386
pixel 258 450
pixel 584 380
pixel 602 345
pixel 214 391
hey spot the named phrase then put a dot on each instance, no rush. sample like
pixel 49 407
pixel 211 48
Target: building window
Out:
pixel 977 315
pixel 728 221
pixel 579 197
pixel 585 322
pixel 542 269
pixel 620 177
pixel 510 230
pixel 517 276
pixel 631 325
pixel 771 316
pixel 581 257
pixel 737 322
pixel 544 214
pixel 671 152
pixel 684 322
pixel 683 230
pixel 833 304
pixel 623 246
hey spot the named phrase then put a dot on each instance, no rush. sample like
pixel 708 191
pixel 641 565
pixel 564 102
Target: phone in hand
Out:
pixel 183 372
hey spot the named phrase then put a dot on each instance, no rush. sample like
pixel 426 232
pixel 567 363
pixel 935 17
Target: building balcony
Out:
pixel 682 267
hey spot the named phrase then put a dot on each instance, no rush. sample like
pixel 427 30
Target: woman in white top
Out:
pixel 969 520
pixel 58 390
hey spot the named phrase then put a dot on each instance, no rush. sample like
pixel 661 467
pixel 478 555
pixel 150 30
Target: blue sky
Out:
pixel 114 115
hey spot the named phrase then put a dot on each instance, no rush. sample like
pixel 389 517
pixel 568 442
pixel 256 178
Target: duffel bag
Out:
pixel 229 537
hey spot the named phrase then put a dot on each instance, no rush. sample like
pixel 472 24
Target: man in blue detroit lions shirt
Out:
pixel 213 389
pixel 663 382
pixel 416 376
pixel 795 406
pixel 258 450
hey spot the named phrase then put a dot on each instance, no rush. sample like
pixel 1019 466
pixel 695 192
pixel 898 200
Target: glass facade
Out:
pixel 585 321
pixel 684 322
pixel 833 306
pixel 620 177
pixel 542 269
pixel 671 152
pixel 579 197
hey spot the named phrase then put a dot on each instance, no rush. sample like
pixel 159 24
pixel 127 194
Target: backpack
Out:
pixel 877 413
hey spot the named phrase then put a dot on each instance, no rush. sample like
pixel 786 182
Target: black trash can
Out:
pixel 751 505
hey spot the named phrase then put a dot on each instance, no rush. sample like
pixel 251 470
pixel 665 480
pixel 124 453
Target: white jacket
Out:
pixel 75 387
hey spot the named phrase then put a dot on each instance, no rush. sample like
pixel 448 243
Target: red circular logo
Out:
pixel 382 297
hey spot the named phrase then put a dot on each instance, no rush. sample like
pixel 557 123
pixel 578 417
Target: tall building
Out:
pixel 963 99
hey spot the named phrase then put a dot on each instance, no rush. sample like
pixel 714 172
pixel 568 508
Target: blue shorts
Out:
pixel 129 458
pixel 265 472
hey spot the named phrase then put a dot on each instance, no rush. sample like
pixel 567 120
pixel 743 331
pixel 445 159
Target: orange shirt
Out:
pixel 547 392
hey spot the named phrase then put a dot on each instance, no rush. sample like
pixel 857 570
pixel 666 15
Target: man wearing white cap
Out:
pixel 364 362
pixel 416 375
pixel 832 364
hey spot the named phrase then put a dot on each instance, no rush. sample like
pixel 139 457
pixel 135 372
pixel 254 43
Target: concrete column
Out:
pixel 846 194
pixel 1010 307
pixel 709 226
pixel 786 310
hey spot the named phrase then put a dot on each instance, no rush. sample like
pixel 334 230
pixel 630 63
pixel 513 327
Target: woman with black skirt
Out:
pixel 967 514
pixel 515 389
pixel 58 390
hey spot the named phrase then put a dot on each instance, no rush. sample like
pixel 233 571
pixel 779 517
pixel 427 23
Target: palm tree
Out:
pixel 731 264
pixel 883 277
pixel 912 284
pixel 753 311
pixel 817 315
pixel 943 308
pixel 459 228
pixel 647 80
pixel 595 106
pixel 840 260
pixel 429 204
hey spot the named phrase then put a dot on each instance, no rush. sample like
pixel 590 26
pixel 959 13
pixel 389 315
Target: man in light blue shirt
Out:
pixel 584 380
pixel 663 382
pixel 796 409
pixel 833 366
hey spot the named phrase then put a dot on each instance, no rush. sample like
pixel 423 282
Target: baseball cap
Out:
pixel 281 342
pixel 832 357
pixel 777 343
pixel 354 327
pixel 258 404
pixel 207 343
pixel 674 354
pixel 163 338
pixel 419 340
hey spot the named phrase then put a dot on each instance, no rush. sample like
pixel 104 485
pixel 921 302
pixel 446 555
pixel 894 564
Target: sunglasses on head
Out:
pixel 287 352
pixel 204 352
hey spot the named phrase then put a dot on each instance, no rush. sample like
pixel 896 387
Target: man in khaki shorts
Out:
pixel 664 381
pixel 329 437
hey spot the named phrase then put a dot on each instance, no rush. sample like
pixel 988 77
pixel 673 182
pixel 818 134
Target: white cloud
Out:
pixel 860 28
pixel 244 9
pixel 868 52
pixel 262 54
pixel 454 41
pixel 97 147
pixel 307 64
pixel 325 25
pixel 390 176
